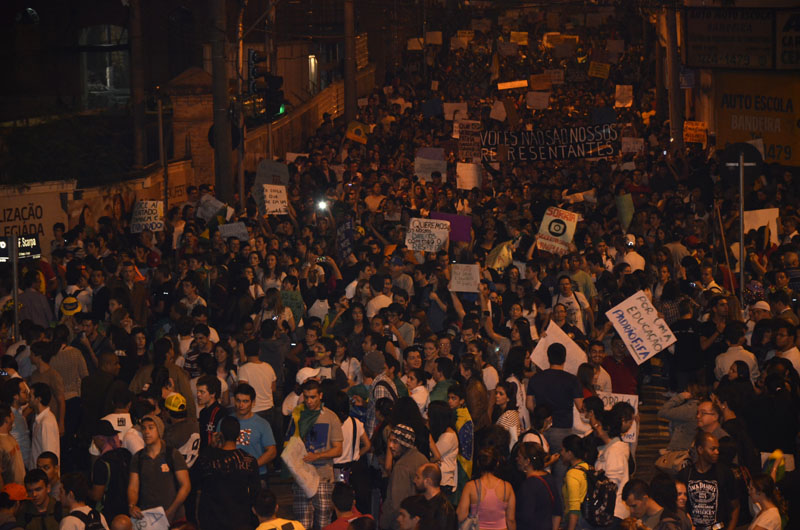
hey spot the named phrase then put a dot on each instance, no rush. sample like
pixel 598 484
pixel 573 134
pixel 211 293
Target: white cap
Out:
pixel 306 373
pixel 761 304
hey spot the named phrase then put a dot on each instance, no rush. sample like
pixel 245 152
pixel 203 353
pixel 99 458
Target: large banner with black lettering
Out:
pixel 642 330
pixel 557 143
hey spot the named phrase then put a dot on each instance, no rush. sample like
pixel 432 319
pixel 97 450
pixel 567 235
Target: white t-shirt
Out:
pixel 376 304
pixel 769 519
pixel 133 441
pixel 121 422
pixel 350 452
pixel 447 444
pixel 421 398
pixel 260 376
pixel 70 522
pixel 490 377
pixel 575 304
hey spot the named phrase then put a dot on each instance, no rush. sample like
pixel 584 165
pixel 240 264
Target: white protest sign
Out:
pixel 609 400
pixel 556 230
pixel 208 207
pixel 498 111
pixel 623 96
pixel 423 167
pixel 147 215
pixel 428 235
pixel 537 100
pixel 237 230
pixel 554 334
pixel 755 219
pixel 556 76
pixel 632 145
pixel 641 329
pixel 464 278
pixel 275 200
pixel 468 175
pixel 455 111
pixel 152 519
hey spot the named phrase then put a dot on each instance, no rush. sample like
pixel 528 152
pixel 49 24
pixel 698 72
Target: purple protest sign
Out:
pixel 460 225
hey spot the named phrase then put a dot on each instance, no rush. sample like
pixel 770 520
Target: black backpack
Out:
pixel 91 520
pixel 115 497
pixel 598 506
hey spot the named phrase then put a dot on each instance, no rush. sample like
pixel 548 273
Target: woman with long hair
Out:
pixel 765 494
pixel 587 376
pixel 272 274
pixel 538 499
pixel 488 497
pixel 349 365
pixel 613 456
pixel 254 288
pixel 521 330
pixel 272 307
pixel 226 367
pixel 505 412
pixel 442 420
pixel 477 396
pixel 357 328
pixel 514 372
pixel 575 485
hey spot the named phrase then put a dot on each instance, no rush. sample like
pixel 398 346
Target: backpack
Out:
pixel 597 507
pixel 115 496
pixel 91 520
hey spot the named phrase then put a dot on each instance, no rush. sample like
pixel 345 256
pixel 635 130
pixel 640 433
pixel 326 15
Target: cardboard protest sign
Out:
pixel 237 230
pixel 599 70
pixel 147 215
pixel 464 278
pixel 275 199
pixel 540 82
pixel 632 145
pixel 509 85
pixel 556 76
pixel 427 235
pixel 466 35
pixel 755 219
pixel 498 111
pixel 433 37
pixel 469 140
pixel 429 160
pixel 460 225
pixel 520 37
pixel 455 111
pixel 609 400
pixel 615 45
pixel 537 100
pixel 625 209
pixel 414 44
pixel 641 329
pixel 468 176
pixel 556 230
pixel 694 131
pixel 623 96
pixel 554 334
pixel 208 207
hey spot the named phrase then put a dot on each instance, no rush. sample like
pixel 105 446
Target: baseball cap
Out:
pixel 306 373
pixel 15 492
pixel 70 305
pixel 104 428
pixel 761 304
pixel 175 403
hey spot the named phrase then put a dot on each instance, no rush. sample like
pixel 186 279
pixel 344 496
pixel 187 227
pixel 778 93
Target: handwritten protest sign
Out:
pixel 152 519
pixel 623 96
pixel 147 215
pixel 609 400
pixel 433 37
pixel 556 76
pixel 641 329
pixel 275 200
pixel 455 111
pixel 237 230
pixel 537 100
pixel 556 230
pixel 554 334
pixel 466 35
pixel 468 175
pixel 598 69
pixel 469 140
pixel 632 145
pixel 464 278
pixel 208 207
pixel 694 131
pixel 428 235
pixel 460 225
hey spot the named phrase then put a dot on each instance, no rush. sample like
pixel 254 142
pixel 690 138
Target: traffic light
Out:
pixel 262 83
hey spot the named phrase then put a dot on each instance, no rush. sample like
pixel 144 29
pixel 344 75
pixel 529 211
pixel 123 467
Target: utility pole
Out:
pixel 222 120
pixel 137 84
pixel 673 78
pixel 240 102
pixel 350 96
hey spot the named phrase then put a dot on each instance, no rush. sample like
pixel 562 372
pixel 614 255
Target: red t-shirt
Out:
pixel 342 522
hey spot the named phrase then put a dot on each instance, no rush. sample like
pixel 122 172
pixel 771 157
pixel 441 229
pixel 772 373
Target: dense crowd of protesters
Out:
pixel 168 371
